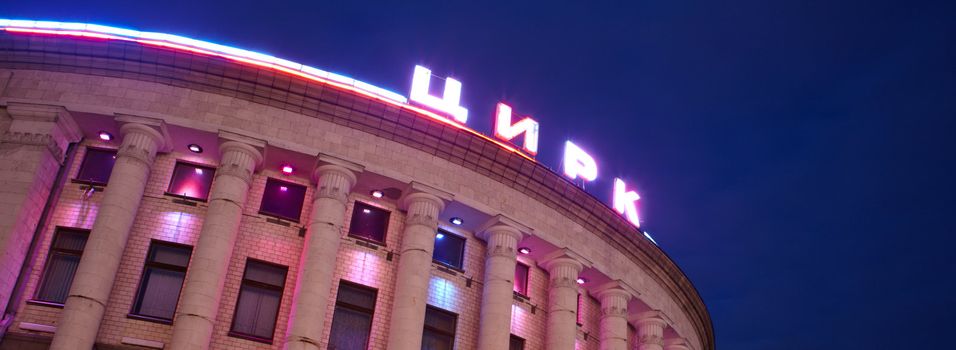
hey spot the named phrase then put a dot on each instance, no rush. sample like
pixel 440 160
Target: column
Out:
pixel 676 344
pixel 502 236
pixel 650 330
pixel 93 281
pixel 202 291
pixel 614 297
pixel 31 153
pixel 563 268
pixel 317 262
pixel 414 266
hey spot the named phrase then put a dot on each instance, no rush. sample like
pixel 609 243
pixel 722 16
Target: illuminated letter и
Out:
pixel 448 103
pixel 578 163
pixel 506 131
pixel 624 202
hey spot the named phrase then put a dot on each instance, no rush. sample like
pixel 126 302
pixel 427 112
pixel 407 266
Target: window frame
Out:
pixel 426 327
pixel 461 257
pixel 77 179
pixel 277 215
pixel 371 312
pixel 243 282
pixel 147 264
pixel 514 338
pixel 172 177
pixel 527 280
pixel 49 256
pixel 387 219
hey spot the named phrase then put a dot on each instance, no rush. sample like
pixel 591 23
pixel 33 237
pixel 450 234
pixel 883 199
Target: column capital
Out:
pixel 616 288
pixel 676 344
pixel 503 224
pixel 234 146
pixel 252 146
pixel 155 128
pixel 651 318
pixel 325 159
pixel 564 256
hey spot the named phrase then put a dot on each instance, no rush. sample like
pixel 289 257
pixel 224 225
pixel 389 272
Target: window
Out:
pixel 521 279
pixel 352 321
pixel 449 249
pixel 97 166
pixel 368 222
pixel 282 199
pixel 65 253
pixel 162 280
pixel 439 331
pixel 259 298
pixel 517 343
pixel 577 311
pixel 191 181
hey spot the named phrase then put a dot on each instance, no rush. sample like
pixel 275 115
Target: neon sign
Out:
pixel 577 162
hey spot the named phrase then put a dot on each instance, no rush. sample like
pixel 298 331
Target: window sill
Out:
pixel 98 185
pixel 149 319
pixel 44 303
pixel 450 267
pixel 184 197
pixel 235 334
pixel 367 240
pixel 279 217
pixel 521 297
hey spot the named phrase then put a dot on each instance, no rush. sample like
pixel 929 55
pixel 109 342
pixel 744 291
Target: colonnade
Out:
pixel 202 289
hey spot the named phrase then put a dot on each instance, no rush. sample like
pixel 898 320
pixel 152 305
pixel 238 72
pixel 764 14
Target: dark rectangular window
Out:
pixel 97 166
pixel 191 181
pixel 352 321
pixel 282 199
pixel 162 280
pixel 521 279
pixel 517 343
pixel 61 264
pixel 259 297
pixel 449 249
pixel 577 311
pixel 369 222
pixel 439 331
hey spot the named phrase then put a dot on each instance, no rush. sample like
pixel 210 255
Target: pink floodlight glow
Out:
pixel 287 169
pixel 578 163
pixel 506 131
pixel 449 101
pixel 625 202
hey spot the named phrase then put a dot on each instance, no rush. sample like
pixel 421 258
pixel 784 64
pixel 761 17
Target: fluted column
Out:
pixel 676 344
pixel 317 262
pixel 613 316
pixel 496 296
pixel 650 331
pixel 563 269
pixel 93 281
pixel 31 153
pixel 414 268
pixel 202 290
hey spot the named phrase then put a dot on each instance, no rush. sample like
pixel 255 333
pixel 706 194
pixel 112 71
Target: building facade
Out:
pixel 160 197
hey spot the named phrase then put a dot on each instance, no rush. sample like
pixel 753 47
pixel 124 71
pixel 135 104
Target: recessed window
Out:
pixel 449 249
pixel 517 343
pixel 577 311
pixel 97 166
pixel 61 264
pixel 282 199
pixel 259 298
pixel 521 279
pixel 191 181
pixel 439 331
pixel 369 222
pixel 162 280
pixel 352 321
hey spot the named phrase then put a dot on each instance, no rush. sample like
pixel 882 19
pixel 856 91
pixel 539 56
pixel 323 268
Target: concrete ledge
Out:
pixel 37 327
pixel 143 342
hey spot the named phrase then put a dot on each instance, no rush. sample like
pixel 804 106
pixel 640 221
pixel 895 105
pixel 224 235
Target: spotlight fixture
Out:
pixel 457 221
pixel 194 148
pixel 287 169
pixel 198 171
pixel 105 136
pixel 582 280
pixel 439 235
pixel 524 250
pixel 377 194
pixel 283 188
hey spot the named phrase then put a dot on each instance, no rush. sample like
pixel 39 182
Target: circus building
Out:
pixel 160 192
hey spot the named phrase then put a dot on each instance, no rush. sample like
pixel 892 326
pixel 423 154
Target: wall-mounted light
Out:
pixel 287 169
pixel 524 250
pixel 582 280
pixel 439 235
pixel 457 221
pixel 377 194
pixel 105 136
pixel 194 148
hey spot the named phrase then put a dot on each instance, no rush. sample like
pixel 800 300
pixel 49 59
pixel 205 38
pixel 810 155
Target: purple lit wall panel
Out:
pixel 283 199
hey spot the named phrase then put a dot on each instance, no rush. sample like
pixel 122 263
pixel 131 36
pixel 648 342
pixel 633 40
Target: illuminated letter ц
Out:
pixel 448 103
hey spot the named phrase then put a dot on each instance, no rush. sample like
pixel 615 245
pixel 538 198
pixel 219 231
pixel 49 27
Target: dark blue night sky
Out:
pixel 796 158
